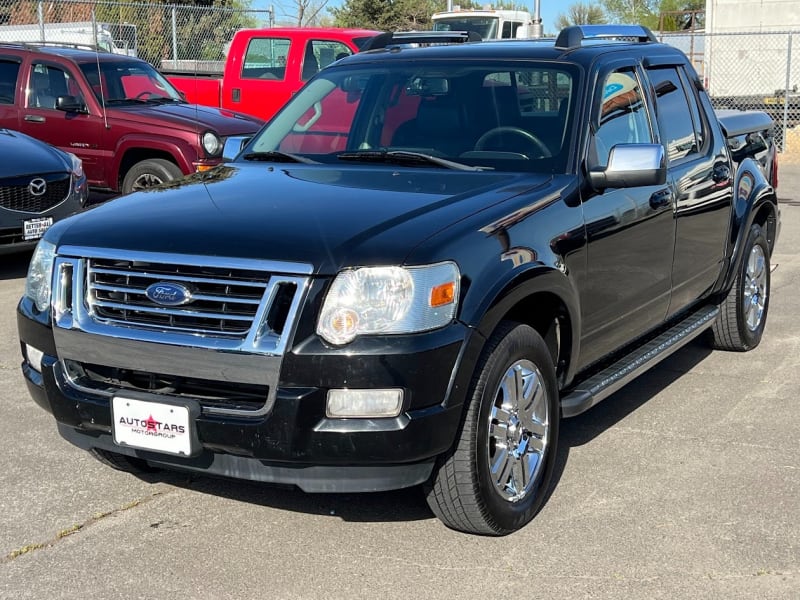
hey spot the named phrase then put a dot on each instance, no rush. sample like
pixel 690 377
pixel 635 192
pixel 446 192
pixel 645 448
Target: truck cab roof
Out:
pixel 580 44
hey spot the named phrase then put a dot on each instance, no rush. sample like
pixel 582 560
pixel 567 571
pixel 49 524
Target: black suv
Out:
pixel 412 272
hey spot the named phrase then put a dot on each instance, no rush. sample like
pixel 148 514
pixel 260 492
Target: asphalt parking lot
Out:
pixel 685 484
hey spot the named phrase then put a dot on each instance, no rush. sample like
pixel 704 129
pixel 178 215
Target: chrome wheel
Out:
pixel 150 173
pixel 146 181
pixel 743 312
pixel 755 288
pixel 519 429
pixel 495 478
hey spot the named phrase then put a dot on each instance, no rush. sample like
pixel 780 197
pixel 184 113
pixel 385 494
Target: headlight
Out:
pixel 40 275
pixel 389 300
pixel 211 143
pixel 76 165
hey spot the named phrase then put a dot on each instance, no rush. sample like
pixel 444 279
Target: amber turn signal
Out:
pixel 443 294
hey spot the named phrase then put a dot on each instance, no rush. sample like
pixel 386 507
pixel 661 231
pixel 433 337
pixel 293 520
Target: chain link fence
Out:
pixel 750 71
pixel 740 70
pixel 155 32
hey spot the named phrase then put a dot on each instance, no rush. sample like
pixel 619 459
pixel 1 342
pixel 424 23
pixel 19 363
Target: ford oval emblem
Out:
pixel 168 294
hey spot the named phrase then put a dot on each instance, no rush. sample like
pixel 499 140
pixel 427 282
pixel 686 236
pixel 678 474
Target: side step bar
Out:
pixel 604 383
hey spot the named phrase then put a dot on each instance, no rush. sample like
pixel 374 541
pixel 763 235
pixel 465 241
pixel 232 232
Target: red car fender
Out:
pixel 182 153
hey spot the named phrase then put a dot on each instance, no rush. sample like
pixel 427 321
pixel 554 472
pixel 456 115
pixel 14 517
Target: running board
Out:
pixel 601 385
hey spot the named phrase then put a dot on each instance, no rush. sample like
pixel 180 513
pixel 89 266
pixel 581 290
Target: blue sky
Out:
pixel 549 8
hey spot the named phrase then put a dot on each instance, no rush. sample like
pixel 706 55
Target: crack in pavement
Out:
pixel 28 548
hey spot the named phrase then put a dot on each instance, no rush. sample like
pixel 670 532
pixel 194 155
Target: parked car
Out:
pixel 39 185
pixel 264 67
pixel 426 259
pixel 128 124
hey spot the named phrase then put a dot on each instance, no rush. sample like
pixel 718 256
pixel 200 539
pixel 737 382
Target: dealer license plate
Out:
pixel 33 229
pixel 151 426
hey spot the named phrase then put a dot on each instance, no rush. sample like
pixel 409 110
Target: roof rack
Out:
pixel 572 37
pixel 55 44
pixel 397 38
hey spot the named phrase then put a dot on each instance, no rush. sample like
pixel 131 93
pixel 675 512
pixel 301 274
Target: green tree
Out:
pixel 581 13
pixel 648 12
pixel 643 12
pixel 386 15
pixel 679 15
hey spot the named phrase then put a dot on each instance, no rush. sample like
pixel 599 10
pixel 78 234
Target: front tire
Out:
pixel 496 477
pixel 150 173
pixel 743 314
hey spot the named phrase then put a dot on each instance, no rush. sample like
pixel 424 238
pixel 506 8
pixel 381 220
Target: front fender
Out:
pixel 519 294
pixel 183 153
pixel 754 200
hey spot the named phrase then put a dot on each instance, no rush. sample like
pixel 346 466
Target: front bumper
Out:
pixel 292 442
pixel 12 238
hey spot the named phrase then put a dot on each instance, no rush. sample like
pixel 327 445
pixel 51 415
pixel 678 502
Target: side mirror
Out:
pixel 631 165
pixel 233 146
pixel 750 144
pixel 70 104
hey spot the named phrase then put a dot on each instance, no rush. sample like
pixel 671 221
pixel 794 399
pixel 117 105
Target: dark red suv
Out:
pixel 128 124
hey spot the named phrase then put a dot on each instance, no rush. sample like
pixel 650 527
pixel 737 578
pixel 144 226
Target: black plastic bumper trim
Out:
pixel 313 479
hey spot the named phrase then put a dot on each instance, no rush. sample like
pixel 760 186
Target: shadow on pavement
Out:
pixel 410 504
pixel 375 507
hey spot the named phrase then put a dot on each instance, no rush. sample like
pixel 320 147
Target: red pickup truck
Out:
pixel 264 67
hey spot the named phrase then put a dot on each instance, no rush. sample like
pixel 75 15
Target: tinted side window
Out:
pixel 510 29
pixel 8 80
pixel 622 117
pixel 47 84
pixel 319 54
pixel 266 59
pixel 328 51
pixel 700 125
pixel 674 114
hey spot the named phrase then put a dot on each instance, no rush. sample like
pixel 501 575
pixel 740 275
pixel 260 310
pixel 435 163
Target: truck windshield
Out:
pixel 501 116
pixel 486 27
pixel 128 81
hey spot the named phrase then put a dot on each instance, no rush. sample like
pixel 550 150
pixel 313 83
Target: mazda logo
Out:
pixel 168 294
pixel 37 187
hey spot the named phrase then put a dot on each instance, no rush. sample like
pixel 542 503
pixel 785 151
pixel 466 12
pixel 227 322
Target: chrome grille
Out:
pixel 224 301
pixel 15 193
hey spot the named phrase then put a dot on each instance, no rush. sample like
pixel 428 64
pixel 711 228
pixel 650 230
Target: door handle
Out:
pixel 35 118
pixel 660 199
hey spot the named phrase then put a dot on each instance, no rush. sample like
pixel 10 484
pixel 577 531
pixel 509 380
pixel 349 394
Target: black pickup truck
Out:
pixel 427 258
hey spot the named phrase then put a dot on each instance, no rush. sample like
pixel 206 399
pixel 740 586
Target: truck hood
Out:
pixel 326 217
pixel 189 117
pixel 23 155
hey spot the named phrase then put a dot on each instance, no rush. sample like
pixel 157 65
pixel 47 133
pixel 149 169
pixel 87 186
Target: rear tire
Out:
pixel 495 478
pixel 122 462
pixel 150 173
pixel 743 314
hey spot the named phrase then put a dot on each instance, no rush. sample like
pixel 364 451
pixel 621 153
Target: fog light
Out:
pixel 34 357
pixel 364 404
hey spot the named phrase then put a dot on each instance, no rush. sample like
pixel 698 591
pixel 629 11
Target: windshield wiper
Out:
pixel 406 157
pixel 163 100
pixel 276 156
